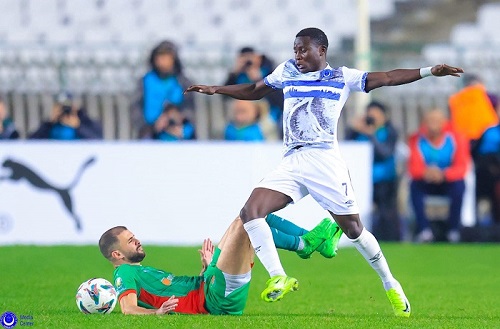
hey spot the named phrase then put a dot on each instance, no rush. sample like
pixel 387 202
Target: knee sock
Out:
pixel 286 235
pixel 284 225
pixel 261 238
pixel 286 241
pixel 368 246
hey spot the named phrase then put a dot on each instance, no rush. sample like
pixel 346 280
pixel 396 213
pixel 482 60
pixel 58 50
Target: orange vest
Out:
pixel 472 112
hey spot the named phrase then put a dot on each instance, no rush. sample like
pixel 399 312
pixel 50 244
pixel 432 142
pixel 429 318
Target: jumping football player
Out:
pixel 315 94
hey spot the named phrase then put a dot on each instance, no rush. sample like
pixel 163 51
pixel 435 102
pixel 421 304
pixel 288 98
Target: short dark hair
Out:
pixel 470 79
pixel 315 34
pixel 246 50
pixel 167 107
pixel 377 104
pixel 109 240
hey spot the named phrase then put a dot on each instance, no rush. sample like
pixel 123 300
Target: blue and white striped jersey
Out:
pixel 313 102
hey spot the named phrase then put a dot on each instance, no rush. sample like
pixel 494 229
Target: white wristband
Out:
pixel 426 72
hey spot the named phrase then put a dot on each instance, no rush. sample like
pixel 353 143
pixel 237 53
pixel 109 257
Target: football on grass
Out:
pixel 96 296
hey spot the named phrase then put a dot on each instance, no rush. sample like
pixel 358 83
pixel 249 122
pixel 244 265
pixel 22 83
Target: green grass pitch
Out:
pixel 449 286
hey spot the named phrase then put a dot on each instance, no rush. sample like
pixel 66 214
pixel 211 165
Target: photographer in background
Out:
pixel 7 128
pixel 165 82
pixel 375 127
pixel 68 122
pixel 251 66
pixel 170 126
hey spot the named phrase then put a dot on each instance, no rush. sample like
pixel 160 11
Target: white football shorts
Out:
pixel 317 171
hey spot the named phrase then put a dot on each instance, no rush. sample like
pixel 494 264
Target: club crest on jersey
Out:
pixel 326 74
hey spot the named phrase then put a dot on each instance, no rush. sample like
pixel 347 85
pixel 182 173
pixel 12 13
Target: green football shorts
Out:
pixel 216 301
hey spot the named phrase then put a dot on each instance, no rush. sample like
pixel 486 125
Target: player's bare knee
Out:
pixel 350 224
pixel 247 214
pixel 237 224
pixel 353 229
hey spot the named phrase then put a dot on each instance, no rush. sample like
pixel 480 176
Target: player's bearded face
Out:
pixel 135 256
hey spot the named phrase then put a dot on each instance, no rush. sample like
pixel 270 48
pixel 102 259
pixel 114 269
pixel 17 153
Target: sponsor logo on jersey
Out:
pixel 167 280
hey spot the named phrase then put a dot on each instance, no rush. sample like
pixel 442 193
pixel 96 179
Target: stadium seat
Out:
pixel 467 35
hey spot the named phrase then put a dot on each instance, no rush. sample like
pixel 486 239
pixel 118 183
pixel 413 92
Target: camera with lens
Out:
pixel 66 109
pixel 248 63
pixel 369 121
pixel 173 123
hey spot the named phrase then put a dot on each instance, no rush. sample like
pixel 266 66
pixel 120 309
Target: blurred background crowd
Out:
pixel 116 70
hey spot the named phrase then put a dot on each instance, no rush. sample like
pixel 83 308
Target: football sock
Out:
pixel 301 244
pixel 285 241
pixel 368 246
pixel 284 225
pixel 261 238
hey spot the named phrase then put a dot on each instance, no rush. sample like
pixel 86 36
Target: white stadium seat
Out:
pixel 467 34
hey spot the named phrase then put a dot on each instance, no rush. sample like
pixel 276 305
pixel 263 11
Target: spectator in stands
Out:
pixel 164 83
pixel 68 122
pixel 486 154
pixel 473 98
pixel 250 121
pixel 438 163
pixel 170 126
pixel 376 128
pixel 7 128
pixel 251 66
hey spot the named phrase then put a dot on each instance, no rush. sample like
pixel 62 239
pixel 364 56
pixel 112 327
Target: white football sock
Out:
pixel 368 246
pixel 262 241
pixel 301 244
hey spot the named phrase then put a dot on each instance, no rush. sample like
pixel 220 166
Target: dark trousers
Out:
pixel 386 221
pixel 453 190
pixel 488 185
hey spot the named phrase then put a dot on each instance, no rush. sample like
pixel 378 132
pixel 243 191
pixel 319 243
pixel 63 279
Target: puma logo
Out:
pixel 20 171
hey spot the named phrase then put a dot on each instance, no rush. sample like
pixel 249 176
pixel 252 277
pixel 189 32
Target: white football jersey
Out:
pixel 313 102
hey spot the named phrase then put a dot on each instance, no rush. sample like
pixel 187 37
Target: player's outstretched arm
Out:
pixel 128 304
pixel 246 91
pixel 403 76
